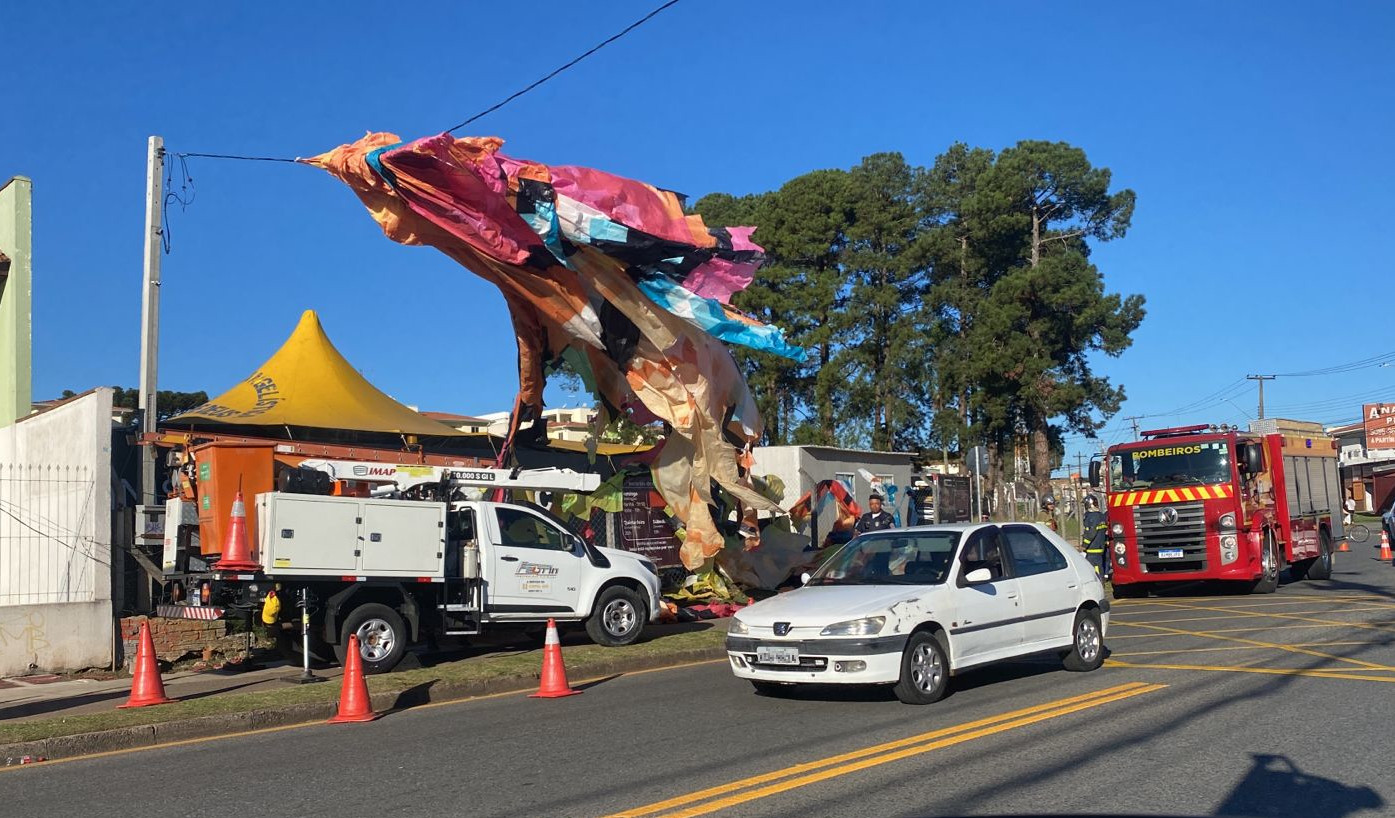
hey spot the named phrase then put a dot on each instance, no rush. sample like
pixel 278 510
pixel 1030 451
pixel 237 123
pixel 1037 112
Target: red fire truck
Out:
pixel 1216 503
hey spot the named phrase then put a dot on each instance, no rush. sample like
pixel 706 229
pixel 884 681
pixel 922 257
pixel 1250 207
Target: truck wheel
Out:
pixel 1269 566
pixel 1320 567
pixel 924 670
pixel 382 637
pixel 617 618
pixel 1087 643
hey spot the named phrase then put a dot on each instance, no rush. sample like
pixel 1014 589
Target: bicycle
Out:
pixel 1356 532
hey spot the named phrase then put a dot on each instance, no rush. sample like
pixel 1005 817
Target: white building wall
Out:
pixel 55 538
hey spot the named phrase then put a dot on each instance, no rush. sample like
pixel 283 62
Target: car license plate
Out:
pixel 1170 553
pixel 777 656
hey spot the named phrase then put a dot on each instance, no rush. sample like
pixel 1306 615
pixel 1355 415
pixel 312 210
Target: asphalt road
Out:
pixel 1212 704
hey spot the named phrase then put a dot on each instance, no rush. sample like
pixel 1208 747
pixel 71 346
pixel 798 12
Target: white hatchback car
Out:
pixel 913 606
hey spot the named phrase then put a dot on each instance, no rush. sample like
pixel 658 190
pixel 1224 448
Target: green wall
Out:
pixel 16 298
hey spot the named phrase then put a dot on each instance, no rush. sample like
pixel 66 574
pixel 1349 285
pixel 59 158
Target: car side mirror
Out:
pixel 978 576
pixel 804 578
pixel 1094 474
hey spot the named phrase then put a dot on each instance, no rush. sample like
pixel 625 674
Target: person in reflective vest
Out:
pixel 1092 531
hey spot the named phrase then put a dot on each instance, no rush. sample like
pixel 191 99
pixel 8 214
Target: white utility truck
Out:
pixel 419 553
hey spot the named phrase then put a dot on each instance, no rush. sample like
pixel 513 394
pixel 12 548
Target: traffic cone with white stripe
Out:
pixel 354 702
pixel 554 673
pixel 1385 546
pixel 147 687
pixel 237 556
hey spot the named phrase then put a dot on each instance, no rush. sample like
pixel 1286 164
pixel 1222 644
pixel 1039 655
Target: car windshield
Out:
pixel 1176 464
pixel 902 558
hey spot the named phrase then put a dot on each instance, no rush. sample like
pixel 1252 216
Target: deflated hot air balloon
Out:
pixel 606 273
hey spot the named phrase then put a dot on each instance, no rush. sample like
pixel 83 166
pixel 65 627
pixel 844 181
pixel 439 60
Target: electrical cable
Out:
pixel 626 30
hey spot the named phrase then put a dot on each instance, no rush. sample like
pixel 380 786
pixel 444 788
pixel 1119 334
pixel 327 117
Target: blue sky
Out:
pixel 1257 136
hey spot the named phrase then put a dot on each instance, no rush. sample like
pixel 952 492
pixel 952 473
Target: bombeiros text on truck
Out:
pixel 1217 503
pixel 398 554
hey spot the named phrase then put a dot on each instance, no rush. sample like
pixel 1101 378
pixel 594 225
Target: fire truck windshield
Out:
pixel 1172 464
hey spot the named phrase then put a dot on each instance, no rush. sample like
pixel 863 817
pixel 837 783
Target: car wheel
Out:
pixel 924 670
pixel 617 617
pixel 1087 642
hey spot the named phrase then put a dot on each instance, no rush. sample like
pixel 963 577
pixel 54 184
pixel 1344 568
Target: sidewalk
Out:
pixel 28 698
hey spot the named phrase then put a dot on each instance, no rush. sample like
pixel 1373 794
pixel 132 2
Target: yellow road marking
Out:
pixel 879 754
pixel 1273 671
pixel 1187 650
pixel 1298 618
pixel 1237 614
pixel 1258 643
pixel 303 724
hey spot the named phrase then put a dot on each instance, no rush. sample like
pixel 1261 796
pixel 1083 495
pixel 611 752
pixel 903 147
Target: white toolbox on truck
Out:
pixel 314 535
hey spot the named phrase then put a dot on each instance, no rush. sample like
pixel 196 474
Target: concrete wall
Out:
pixel 802 467
pixel 16 297
pixel 55 538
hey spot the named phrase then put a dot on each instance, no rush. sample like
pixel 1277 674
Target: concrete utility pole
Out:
pixel 150 310
pixel 1133 419
pixel 1261 379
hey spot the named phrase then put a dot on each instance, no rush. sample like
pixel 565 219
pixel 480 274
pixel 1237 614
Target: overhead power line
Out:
pixel 1383 359
pixel 597 47
pixel 491 109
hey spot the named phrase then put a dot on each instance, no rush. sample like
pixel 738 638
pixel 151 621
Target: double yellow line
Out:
pixel 722 796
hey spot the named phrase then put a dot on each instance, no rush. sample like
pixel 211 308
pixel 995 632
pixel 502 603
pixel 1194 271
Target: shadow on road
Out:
pixel 1275 786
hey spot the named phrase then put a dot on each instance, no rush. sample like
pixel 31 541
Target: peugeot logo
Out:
pixel 782 628
pixel 1167 516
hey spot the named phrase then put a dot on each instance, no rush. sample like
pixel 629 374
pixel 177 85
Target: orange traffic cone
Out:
pixel 1385 546
pixel 147 687
pixel 554 673
pixel 236 554
pixel 354 704
pixel 1342 545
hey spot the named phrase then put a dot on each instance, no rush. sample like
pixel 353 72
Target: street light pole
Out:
pixel 150 309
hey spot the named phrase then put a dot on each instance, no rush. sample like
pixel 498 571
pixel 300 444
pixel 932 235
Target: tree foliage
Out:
pixel 943 306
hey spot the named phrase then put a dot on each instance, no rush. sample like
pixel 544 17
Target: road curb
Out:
pixel 164 733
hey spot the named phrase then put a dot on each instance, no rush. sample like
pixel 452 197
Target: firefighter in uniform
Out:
pixel 876 518
pixel 1048 512
pixel 1092 532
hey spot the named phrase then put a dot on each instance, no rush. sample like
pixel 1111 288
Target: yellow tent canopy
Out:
pixel 308 383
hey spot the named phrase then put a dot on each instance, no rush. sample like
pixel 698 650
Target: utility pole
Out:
pixel 150 311
pixel 1261 379
pixel 1133 419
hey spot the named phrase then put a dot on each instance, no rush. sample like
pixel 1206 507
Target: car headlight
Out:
pixel 866 626
pixel 737 626
pixel 1117 529
pixel 1226 522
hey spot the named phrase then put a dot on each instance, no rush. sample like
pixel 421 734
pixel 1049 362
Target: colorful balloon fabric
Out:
pixel 610 271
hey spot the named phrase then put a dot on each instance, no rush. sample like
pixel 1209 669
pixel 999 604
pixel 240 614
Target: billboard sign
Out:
pixel 1379 422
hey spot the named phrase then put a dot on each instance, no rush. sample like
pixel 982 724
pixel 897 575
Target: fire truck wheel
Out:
pixel 382 637
pixel 1270 564
pixel 617 617
pixel 1320 567
pixel 1087 642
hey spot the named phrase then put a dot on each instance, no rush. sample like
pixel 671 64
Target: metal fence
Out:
pixel 54 545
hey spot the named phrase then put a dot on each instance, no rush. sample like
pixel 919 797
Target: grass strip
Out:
pixel 581 660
